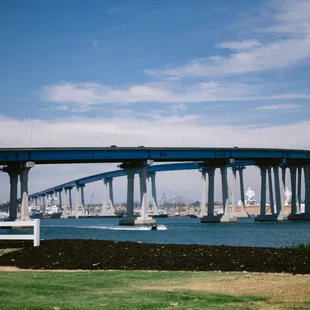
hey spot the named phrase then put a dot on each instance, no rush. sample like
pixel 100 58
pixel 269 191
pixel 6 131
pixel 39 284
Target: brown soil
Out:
pixel 104 255
pixel 277 287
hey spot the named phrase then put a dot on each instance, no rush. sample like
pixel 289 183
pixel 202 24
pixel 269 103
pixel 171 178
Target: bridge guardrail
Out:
pixel 36 231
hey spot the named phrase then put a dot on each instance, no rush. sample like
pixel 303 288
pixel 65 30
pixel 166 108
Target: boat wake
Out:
pixel 138 228
pixel 111 227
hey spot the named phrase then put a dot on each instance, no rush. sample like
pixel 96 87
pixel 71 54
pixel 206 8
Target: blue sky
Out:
pixel 196 73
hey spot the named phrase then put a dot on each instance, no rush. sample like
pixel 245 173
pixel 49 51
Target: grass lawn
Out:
pixel 147 290
pixel 9 250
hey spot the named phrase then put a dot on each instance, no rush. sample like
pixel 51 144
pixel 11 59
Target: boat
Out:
pixel 52 212
pixel 35 212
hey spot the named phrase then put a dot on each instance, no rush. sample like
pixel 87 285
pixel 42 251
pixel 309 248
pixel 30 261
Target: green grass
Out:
pixel 302 246
pixel 9 250
pixel 112 290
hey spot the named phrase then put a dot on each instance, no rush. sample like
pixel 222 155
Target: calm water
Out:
pixel 181 230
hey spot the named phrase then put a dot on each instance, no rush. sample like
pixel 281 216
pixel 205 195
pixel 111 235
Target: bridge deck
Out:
pixel 159 154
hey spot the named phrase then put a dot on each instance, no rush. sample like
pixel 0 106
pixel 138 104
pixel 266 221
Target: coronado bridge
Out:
pixel 17 162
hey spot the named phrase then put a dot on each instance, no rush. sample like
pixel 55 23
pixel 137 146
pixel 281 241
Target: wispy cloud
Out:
pixel 95 93
pixel 286 43
pixel 282 106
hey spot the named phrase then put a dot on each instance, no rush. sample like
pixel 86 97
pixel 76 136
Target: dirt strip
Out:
pixel 113 255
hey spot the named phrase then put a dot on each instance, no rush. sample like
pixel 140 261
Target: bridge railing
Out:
pixel 36 231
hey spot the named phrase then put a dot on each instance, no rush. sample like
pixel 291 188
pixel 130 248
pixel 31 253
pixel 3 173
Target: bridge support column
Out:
pixel 59 198
pixel 111 194
pixel 299 173
pixel 144 217
pixel 271 199
pixel 227 216
pixel 82 202
pixel 66 206
pixel 211 218
pixel 242 212
pixel 302 210
pixel 13 173
pixel 43 202
pixel 24 171
pixel 79 208
pixel 203 211
pixel 107 206
pixel 151 178
pixel 129 219
pixel 274 216
pixel 279 195
pixel 234 191
pixel 293 171
pixel 70 199
pixel 307 190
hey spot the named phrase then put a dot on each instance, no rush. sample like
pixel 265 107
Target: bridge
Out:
pixel 18 162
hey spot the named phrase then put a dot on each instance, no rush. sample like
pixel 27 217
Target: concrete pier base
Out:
pixel 299 217
pixel 271 218
pixel 136 221
pixel 242 214
pixel 211 219
pixel 266 218
pixel 145 221
pixel 218 219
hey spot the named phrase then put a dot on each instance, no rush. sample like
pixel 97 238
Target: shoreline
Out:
pixel 90 254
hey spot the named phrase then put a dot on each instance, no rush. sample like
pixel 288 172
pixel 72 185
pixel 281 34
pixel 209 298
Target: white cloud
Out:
pixel 282 106
pixel 95 93
pixel 241 45
pixel 180 106
pixel 286 44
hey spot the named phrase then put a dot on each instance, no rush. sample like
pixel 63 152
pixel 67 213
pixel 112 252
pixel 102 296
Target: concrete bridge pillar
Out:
pixel 279 198
pixel 24 171
pixel 82 195
pixel 131 168
pixel 129 218
pixel 240 169
pixel 307 189
pixel 151 178
pixel 242 212
pixel 66 204
pixel 144 217
pixel 293 171
pixel 59 197
pixel 283 168
pixel 203 211
pixel 234 191
pixel 105 197
pixel 271 198
pixel 263 171
pixel 70 198
pixel 108 198
pixel 299 174
pixel 111 194
pixel 79 198
pixel 211 173
pixel 224 187
pixel 13 173
pixel 43 202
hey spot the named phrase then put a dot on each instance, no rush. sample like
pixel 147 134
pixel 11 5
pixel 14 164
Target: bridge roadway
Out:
pixel 122 172
pixel 129 154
